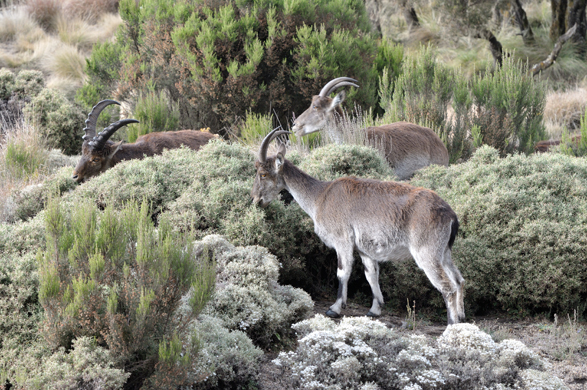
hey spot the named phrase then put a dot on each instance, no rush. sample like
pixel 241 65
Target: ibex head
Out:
pixel 269 180
pixel 97 151
pixel 323 107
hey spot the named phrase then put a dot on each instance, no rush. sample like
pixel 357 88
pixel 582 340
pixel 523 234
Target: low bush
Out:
pixel 228 359
pixel 361 353
pixel 44 12
pixel 6 83
pixel 59 121
pixel 248 297
pixel 112 276
pixel 28 83
pixel 522 234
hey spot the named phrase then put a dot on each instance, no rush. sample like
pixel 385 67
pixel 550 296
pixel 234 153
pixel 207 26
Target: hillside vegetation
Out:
pixel 161 274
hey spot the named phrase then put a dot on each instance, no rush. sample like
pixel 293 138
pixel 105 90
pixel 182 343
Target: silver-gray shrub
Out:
pixel 361 353
pixel 28 83
pixel 58 120
pixel 6 83
pixel 248 296
pixel 523 231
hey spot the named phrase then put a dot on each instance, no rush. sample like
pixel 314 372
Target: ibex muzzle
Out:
pixel 100 154
pixel 407 146
pixel 382 221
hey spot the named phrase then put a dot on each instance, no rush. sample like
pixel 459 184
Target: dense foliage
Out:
pixel 220 59
pixel 114 277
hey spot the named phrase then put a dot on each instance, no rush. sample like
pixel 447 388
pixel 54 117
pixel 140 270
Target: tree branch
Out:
pixel 550 60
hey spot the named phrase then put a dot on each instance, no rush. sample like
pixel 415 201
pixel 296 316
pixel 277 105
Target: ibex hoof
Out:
pixel 371 314
pixel 332 314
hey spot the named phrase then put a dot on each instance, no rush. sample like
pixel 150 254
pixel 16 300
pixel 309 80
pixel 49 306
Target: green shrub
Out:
pixel 59 121
pixel 155 112
pixel 522 235
pixel 112 276
pixel 504 107
pixel 575 147
pixel 248 297
pixel 28 83
pixel 220 60
pixel 6 83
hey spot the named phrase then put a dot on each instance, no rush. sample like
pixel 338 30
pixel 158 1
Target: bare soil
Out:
pixel 563 347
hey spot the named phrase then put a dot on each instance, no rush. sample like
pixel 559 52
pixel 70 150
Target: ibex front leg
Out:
pixel 372 275
pixel 345 265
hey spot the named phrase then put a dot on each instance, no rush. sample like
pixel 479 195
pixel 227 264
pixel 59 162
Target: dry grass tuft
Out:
pixel 15 22
pixel 90 10
pixel 564 109
pixel 44 12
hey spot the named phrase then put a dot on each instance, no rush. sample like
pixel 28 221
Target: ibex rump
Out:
pixel 407 146
pixel 382 221
pixel 100 154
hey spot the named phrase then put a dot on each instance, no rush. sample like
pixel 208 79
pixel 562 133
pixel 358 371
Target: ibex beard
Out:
pixel 382 221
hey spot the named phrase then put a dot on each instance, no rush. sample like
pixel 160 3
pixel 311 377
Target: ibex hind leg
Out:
pixel 431 262
pixel 372 275
pixel 452 269
pixel 345 265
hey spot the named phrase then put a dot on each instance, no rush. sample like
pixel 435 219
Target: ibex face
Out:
pixel 93 162
pixel 317 116
pixel 269 180
pixel 323 108
pixel 97 151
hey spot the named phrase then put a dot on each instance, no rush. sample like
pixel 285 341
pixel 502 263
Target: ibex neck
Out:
pixel 131 152
pixel 304 188
pixel 334 128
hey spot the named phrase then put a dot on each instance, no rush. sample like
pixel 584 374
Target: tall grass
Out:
pixel 156 112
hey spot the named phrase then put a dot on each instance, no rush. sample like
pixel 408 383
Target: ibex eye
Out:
pixel 263 175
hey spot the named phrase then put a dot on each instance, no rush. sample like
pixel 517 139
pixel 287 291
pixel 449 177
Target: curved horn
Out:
pixel 268 138
pixel 99 141
pixel 90 128
pixel 337 83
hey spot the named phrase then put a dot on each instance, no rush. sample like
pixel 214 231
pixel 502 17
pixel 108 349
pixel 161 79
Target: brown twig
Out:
pixel 555 52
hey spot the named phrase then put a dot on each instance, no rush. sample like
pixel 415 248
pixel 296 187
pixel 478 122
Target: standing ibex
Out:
pixel 407 146
pixel 381 220
pixel 99 154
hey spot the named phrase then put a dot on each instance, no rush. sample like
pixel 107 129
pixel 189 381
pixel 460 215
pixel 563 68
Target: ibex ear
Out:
pixel 280 158
pixel 114 148
pixel 339 98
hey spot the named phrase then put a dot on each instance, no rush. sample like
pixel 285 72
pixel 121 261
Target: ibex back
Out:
pixel 407 146
pixel 100 154
pixel 382 221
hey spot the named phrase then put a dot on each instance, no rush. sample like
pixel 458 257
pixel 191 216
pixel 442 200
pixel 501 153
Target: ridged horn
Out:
pixel 337 83
pixel 267 140
pixel 90 128
pixel 99 141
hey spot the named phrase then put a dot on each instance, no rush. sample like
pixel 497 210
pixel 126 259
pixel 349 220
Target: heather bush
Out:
pixel 23 237
pixel 248 297
pixel 155 112
pixel 522 234
pixel 114 277
pixel 28 83
pixel 6 83
pixel 222 59
pixel 59 121
pixel 44 12
pixel 362 353
pixel 502 109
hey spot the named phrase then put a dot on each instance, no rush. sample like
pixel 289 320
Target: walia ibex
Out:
pixel 407 146
pixel 382 221
pixel 100 154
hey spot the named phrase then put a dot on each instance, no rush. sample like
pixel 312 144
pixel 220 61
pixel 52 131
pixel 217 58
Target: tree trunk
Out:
pixel 576 16
pixel 522 22
pixel 549 61
pixel 559 13
pixel 409 14
pixel 494 46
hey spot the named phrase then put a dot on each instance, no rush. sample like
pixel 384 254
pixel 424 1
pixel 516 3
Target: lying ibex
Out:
pixel 381 220
pixel 544 146
pixel 407 146
pixel 99 154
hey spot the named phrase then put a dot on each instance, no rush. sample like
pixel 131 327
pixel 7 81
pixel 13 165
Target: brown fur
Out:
pixel 544 146
pixel 93 162
pixel 408 147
